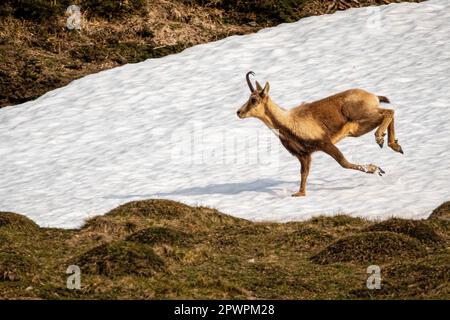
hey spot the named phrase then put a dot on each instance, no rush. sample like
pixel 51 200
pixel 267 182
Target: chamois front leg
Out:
pixel 333 151
pixel 305 162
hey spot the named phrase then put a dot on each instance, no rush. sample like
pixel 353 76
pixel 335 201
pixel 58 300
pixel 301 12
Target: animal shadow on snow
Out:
pixel 260 185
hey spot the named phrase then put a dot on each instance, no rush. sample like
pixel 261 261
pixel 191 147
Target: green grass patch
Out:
pixel 119 259
pixel 442 212
pixel 418 229
pixel 370 248
pixel 16 221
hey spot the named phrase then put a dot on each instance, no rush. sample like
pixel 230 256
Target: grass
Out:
pixel 16 266
pixel 120 258
pixel 441 212
pixel 157 249
pixel 370 248
pixel 416 229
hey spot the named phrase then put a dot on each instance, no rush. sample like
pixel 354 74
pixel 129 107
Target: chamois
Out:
pixel 319 125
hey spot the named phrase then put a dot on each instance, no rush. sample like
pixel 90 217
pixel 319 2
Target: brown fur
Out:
pixel 318 125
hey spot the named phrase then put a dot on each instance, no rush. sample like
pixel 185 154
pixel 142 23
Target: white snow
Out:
pixel 167 128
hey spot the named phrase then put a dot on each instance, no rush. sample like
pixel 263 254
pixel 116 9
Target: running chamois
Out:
pixel 319 125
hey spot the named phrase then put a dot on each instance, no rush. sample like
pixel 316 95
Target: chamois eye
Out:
pixel 253 100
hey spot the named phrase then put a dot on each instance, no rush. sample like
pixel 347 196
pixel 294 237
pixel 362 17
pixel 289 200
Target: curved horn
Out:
pixel 247 76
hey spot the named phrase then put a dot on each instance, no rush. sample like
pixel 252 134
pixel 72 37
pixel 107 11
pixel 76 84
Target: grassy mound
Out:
pixel 17 233
pixel 16 221
pixel 417 229
pixel 441 212
pixel 120 258
pixel 166 209
pixel 370 247
pixel 136 215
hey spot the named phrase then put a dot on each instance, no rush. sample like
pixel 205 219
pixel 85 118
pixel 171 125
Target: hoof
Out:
pixel 380 140
pixel 299 194
pixel 371 169
pixel 396 147
pixel 381 172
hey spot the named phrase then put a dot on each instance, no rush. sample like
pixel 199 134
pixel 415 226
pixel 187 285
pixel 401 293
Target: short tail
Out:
pixel 383 99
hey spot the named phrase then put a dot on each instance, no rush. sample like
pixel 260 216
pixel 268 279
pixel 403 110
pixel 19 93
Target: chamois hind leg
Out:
pixel 333 151
pixel 392 142
pixel 388 115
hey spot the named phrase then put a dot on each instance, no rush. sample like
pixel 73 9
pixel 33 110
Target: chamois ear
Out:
pixel 265 91
pixel 258 86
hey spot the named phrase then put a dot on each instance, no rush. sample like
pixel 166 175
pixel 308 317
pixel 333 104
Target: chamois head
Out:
pixel 255 105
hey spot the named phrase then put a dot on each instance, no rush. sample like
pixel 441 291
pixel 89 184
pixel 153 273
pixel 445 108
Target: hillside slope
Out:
pixel 160 249
pixel 167 128
pixel 38 53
